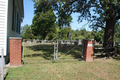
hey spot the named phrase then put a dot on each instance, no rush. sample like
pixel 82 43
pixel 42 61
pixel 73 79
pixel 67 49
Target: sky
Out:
pixel 29 14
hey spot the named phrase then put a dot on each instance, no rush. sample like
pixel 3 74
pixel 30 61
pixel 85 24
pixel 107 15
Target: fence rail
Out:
pixel 106 51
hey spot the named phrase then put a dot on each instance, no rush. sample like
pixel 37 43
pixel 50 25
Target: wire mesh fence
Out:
pixel 69 50
pixel 47 50
pixel 37 50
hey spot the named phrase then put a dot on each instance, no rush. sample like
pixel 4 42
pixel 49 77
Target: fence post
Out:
pixel 117 49
pixel 57 49
pixel 82 48
pixel 54 51
pixel 2 65
pixel 23 50
pixel 88 50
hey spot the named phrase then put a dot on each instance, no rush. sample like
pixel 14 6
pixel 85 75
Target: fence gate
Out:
pixel 67 50
pixel 38 50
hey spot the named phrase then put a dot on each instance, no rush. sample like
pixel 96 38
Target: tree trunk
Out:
pixel 109 33
pixel 44 35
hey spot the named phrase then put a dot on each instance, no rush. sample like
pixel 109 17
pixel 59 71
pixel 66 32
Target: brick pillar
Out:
pixel 15 51
pixel 88 50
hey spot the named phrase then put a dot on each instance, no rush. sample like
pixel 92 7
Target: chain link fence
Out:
pixel 48 50
pixel 68 50
pixel 38 50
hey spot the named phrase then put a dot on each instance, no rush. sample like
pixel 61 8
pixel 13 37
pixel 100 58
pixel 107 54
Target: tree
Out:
pixel 117 32
pixel 65 33
pixel 98 35
pixel 26 32
pixel 101 13
pixel 23 30
pixel 54 35
pixel 44 19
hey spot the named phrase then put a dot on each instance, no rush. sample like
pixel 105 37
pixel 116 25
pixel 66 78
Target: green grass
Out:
pixel 99 69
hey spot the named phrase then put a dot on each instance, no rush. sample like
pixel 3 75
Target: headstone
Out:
pixel 68 43
pixel 76 43
pixel 45 41
pixel 29 42
pixel 79 41
pixel 34 41
pixel 65 45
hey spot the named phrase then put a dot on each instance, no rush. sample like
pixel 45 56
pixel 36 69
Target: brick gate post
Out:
pixel 15 51
pixel 88 50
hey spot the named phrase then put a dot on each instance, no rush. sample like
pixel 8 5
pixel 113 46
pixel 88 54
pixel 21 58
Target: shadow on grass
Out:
pixel 116 57
pixel 47 51
pixel 44 51
pixel 74 51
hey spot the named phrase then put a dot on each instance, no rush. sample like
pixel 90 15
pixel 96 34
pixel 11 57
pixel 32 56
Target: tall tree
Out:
pixel 98 35
pixel 101 13
pixel 26 32
pixel 117 32
pixel 44 19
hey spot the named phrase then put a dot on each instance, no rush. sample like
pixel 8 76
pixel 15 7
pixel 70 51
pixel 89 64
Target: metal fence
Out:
pixel 68 50
pixel 38 50
pixel 48 50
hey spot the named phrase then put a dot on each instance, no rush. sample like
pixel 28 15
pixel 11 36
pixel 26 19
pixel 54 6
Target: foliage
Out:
pixel 117 32
pixel 100 13
pixel 80 37
pixel 64 20
pixel 98 36
pixel 44 19
pixel 26 32
pixel 95 11
pixel 54 35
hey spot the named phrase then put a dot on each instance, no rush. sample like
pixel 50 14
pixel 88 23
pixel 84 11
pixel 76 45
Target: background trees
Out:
pixel 26 32
pixel 117 32
pixel 44 19
pixel 101 13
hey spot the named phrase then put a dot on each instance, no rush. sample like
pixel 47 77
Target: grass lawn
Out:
pixel 100 69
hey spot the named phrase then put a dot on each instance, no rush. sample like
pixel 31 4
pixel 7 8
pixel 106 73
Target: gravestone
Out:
pixel 34 41
pixel 76 43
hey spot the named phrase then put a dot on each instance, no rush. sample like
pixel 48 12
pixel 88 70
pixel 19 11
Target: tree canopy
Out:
pixel 101 13
pixel 44 19
pixel 26 32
